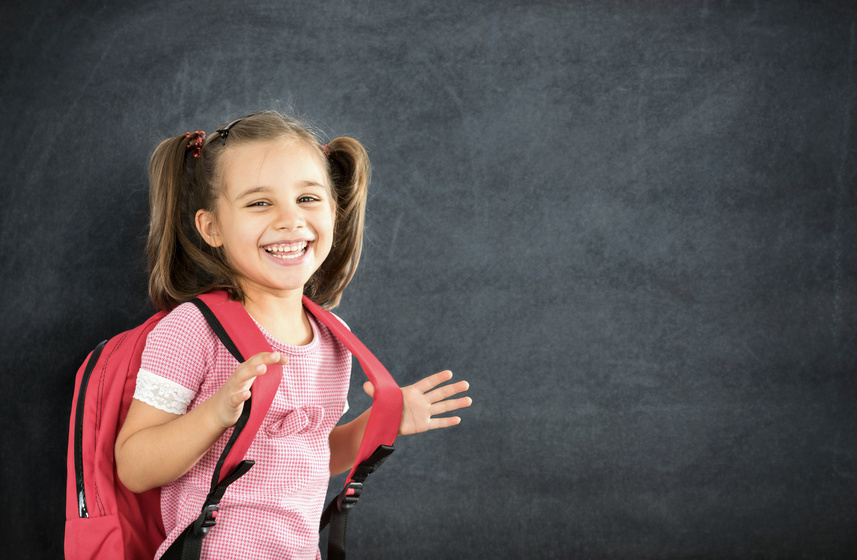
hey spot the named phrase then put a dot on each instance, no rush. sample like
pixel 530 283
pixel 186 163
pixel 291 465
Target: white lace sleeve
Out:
pixel 162 393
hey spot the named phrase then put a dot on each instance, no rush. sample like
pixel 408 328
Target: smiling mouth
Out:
pixel 288 251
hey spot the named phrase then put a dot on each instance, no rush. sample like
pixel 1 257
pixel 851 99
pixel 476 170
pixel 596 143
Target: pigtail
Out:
pixel 350 172
pixel 181 265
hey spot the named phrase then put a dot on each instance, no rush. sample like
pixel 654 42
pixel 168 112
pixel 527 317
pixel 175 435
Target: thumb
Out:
pixel 369 388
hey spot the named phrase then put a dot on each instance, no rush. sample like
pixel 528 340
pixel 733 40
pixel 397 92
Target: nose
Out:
pixel 290 217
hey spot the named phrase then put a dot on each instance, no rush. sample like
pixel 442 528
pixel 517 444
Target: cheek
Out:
pixel 237 236
pixel 331 222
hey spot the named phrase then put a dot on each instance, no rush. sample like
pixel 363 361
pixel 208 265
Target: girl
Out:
pixel 264 211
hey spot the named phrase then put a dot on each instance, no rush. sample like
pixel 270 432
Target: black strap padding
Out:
pixel 186 546
pixel 336 512
pixel 218 329
pixel 371 464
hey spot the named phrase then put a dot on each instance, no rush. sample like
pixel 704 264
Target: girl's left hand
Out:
pixel 424 399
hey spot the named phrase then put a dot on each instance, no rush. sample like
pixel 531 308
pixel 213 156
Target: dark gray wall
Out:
pixel 631 225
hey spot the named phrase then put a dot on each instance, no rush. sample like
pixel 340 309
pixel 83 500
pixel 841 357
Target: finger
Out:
pixel 447 391
pixel 238 397
pixel 445 422
pixel 428 383
pixel 258 365
pixel 244 375
pixel 450 405
pixel 369 388
pixel 269 358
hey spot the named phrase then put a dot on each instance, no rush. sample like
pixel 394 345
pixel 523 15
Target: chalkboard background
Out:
pixel 630 225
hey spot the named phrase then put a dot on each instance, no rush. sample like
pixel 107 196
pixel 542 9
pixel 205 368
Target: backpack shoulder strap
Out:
pixel 241 336
pixel 377 443
pixel 386 415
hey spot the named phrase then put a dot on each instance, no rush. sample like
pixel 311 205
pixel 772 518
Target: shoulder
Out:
pixel 321 315
pixel 341 320
pixel 322 326
pixel 325 338
pixel 184 330
pixel 181 348
pixel 186 320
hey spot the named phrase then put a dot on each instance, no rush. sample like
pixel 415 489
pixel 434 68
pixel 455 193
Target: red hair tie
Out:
pixel 325 149
pixel 195 141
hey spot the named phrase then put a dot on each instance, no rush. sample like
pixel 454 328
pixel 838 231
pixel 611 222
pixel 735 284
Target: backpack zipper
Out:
pixel 78 430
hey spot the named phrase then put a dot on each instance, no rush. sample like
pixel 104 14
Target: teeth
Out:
pixel 287 250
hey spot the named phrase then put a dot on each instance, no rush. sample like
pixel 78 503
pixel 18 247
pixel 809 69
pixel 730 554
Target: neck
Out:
pixel 281 314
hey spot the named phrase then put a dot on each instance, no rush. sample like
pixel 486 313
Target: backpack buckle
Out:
pixel 350 495
pixel 206 520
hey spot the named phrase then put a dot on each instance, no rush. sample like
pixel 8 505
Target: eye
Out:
pixel 308 198
pixel 258 203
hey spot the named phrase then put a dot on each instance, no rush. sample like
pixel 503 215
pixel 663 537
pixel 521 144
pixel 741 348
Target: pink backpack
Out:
pixel 105 520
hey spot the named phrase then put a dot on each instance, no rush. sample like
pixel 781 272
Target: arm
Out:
pixel 345 443
pixel 421 401
pixel 155 447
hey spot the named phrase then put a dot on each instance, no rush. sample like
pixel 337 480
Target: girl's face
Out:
pixel 274 217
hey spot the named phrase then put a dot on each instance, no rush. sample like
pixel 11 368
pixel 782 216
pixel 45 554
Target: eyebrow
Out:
pixel 264 188
pixel 251 192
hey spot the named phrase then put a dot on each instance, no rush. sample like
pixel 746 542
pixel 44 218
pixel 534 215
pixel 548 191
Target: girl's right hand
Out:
pixel 155 447
pixel 228 401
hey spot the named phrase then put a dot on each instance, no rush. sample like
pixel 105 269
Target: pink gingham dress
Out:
pixel 273 511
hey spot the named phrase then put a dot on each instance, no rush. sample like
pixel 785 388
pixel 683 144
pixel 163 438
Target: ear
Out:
pixel 207 228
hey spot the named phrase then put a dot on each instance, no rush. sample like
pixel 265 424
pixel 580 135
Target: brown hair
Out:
pixel 182 265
